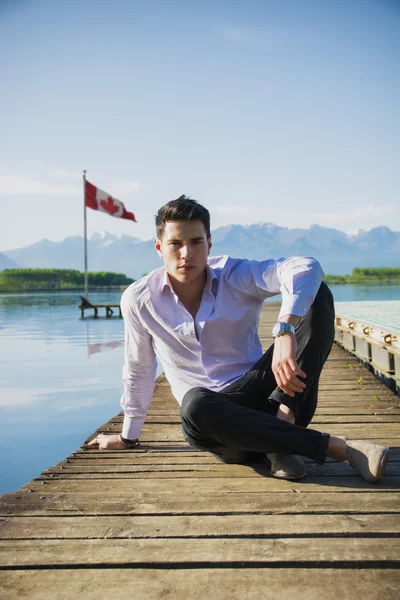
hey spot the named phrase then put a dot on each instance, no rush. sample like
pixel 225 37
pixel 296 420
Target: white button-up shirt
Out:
pixel 221 343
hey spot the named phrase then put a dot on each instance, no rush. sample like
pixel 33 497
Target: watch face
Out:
pixel 281 328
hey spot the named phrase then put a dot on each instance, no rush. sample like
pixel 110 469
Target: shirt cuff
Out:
pixel 132 427
pixel 295 304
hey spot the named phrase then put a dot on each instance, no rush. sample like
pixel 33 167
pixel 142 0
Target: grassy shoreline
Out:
pixel 347 280
pixel 367 276
pixel 59 280
pixel 78 290
pixel 14 281
pixel 330 280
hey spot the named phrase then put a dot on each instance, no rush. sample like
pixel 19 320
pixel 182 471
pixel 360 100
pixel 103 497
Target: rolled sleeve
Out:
pixel 297 278
pixel 300 279
pixel 139 371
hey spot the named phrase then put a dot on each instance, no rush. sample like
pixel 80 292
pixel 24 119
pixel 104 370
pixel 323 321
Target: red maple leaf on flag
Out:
pixel 109 205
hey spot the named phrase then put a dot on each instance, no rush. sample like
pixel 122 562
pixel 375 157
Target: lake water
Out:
pixel 61 375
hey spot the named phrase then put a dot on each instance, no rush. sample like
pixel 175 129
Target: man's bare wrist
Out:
pixel 291 319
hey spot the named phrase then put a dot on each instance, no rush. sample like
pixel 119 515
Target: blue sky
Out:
pixel 286 112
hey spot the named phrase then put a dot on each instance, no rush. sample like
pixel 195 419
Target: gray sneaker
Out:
pixel 286 466
pixel 368 459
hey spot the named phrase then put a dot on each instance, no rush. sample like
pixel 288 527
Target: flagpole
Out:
pixel 85 233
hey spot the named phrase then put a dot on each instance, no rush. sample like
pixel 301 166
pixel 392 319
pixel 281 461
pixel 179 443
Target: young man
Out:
pixel 200 316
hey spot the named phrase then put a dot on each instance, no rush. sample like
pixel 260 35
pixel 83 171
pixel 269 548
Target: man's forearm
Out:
pixel 136 398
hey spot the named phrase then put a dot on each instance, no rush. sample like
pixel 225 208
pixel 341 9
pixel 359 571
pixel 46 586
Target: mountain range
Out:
pixel 337 251
pixel 7 263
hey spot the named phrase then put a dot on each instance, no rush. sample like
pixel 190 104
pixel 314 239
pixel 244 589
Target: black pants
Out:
pixel 239 424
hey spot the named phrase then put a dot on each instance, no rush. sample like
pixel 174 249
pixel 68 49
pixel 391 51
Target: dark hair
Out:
pixel 182 209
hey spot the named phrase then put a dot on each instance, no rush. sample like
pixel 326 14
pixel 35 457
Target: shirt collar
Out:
pixel 165 282
pixel 211 277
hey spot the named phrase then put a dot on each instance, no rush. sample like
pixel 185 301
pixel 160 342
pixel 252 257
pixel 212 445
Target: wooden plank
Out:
pixel 149 453
pixel 346 410
pixel 134 500
pixel 143 452
pixel 349 407
pixel 366 411
pixel 355 419
pixel 236 583
pixel 390 479
pixel 210 470
pixel 346 387
pixel 163 551
pixel 135 459
pixel 325 403
pixel 122 527
pixel 225 484
pixel 357 400
pixel 335 418
pixel 174 432
pixel 177 460
pixel 182 447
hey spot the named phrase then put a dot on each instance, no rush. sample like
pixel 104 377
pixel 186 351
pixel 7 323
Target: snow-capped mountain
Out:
pixel 337 251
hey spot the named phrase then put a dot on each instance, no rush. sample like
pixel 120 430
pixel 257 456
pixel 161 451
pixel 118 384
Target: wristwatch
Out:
pixel 129 443
pixel 282 328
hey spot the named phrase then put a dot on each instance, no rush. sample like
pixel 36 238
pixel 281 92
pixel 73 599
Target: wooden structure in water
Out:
pixel 167 521
pixel 86 305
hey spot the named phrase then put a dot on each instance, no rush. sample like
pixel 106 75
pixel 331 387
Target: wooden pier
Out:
pixel 167 521
pixel 86 305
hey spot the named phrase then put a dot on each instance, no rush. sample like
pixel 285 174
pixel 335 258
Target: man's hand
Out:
pixel 107 442
pixel 284 365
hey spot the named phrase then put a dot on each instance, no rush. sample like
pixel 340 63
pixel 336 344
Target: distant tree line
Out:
pixel 367 275
pixel 16 280
pixel 57 279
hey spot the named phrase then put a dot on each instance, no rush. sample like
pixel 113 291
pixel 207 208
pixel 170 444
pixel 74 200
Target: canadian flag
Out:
pixel 99 200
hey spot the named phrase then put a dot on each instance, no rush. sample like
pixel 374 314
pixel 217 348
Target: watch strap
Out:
pixel 129 443
pixel 280 328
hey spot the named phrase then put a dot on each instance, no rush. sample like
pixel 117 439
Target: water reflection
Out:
pixel 56 316
pixel 359 293
pixel 95 348
pixel 58 384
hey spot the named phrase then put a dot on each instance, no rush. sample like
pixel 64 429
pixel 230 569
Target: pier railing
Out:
pixel 377 346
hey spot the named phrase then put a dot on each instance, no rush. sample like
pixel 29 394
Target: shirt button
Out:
pixel 304 309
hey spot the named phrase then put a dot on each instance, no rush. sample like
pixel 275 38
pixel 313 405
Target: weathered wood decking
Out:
pixel 167 521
